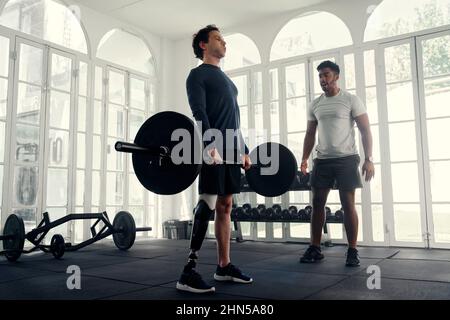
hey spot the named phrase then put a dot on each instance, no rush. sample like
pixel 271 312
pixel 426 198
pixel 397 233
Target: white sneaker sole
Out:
pixel 230 278
pixel 185 287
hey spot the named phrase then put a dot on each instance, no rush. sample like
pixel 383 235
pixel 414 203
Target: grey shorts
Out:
pixel 337 173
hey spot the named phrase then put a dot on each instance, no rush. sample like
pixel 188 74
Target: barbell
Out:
pixel 123 229
pixel 156 169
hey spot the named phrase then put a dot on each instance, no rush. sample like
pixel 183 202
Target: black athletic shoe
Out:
pixel 231 273
pixel 311 255
pixel 192 281
pixel 352 258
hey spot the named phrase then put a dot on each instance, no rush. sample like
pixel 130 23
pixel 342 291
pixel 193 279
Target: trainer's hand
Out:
pixel 304 167
pixel 246 162
pixel 214 157
pixel 368 169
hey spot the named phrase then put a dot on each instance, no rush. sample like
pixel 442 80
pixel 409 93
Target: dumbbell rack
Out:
pixel 301 183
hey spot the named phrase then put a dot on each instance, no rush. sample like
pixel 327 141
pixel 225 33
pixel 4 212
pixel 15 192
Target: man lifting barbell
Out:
pixel 165 165
pixel 213 101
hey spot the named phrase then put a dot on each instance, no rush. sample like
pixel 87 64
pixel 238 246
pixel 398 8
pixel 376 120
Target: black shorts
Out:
pixel 221 179
pixel 337 173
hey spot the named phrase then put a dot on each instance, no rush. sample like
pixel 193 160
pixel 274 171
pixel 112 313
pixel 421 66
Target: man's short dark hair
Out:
pixel 202 36
pixel 329 64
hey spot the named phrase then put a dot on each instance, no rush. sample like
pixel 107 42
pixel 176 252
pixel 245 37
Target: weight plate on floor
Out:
pixel 125 230
pixel 13 245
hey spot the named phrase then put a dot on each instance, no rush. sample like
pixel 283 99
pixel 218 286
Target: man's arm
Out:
pixel 308 144
pixel 363 124
pixel 197 101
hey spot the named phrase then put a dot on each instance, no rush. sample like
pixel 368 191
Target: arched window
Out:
pixel 45 19
pixel 392 18
pixel 126 49
pixel 241 52
pixel 306 34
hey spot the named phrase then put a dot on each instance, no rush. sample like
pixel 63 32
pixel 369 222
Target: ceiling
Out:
pixel 176 19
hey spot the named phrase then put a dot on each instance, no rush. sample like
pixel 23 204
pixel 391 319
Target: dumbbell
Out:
pixel 253 214
pixel 293 212
pixel 262 211
pixel 302 215
pixel 308 211
pixel 238 213
pixel 339 214
pixel 304 180
pixel 247 211
pixel 327 213
pixel 269 214
pixel 285 214
pixel 277 209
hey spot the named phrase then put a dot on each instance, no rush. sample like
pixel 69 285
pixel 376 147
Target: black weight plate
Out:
pixel 126 230
pixel 166 177
pixel 14 245
pixel 57 246
pixel 279 178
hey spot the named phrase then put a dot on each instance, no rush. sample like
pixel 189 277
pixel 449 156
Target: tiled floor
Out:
pixel 150 269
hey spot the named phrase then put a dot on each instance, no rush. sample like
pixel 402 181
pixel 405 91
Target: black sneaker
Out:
pixel 352 258
pixel 192 281
pixel 311 255
pixel 231 273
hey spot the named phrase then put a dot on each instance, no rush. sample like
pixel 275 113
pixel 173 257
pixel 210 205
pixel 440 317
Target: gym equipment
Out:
pixel 293 211
pixel 276 207
pixel 327 212
pixel 13 237
pixel 271 185
pixel 261 211
pixel 247 207
pixel 277 212
pixel 339 214
pixel 295 215
pixel 151 150
pixel 254 214
pixel 57 246
pixel 308 211
pixel 123 230
pixel 302 215
pixel 233 214
pixel 301 181
pixel 285 214
pixel 156 170
pixel 269 214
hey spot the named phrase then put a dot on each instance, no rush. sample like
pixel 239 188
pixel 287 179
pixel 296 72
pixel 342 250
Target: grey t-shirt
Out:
pixel 335 116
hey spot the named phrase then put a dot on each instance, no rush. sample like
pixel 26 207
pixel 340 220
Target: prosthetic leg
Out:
pixel 202 214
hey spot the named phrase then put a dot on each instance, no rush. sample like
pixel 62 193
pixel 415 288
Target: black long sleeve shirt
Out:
pixel 213 100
